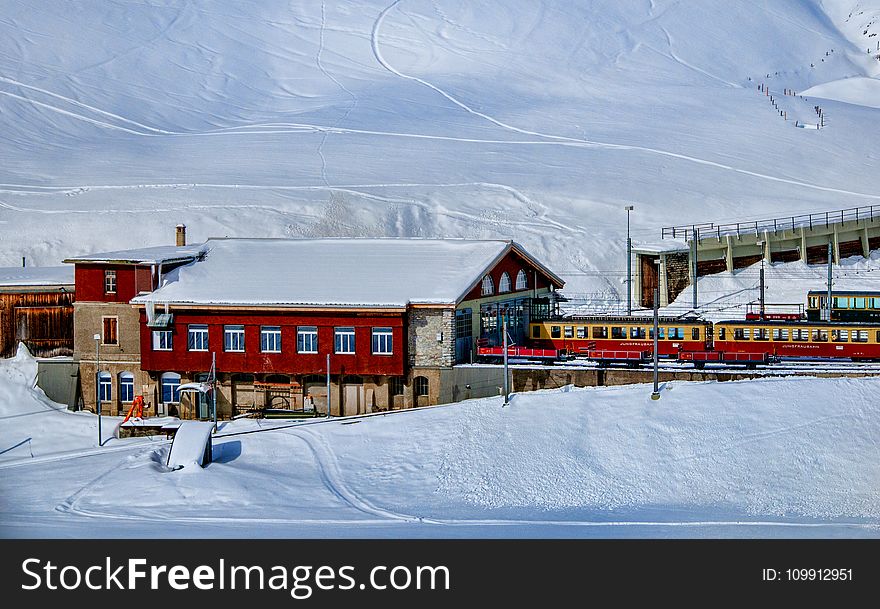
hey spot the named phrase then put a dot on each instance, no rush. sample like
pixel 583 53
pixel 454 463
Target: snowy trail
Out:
pixel 562 140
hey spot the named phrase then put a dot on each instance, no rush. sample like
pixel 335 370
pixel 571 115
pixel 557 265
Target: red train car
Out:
pixel 799 339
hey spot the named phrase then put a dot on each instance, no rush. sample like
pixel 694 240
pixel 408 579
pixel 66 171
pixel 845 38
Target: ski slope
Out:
pixel 535 121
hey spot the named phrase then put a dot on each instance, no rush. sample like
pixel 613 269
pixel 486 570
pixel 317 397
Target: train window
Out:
pixel 800 334
pixel 676 333
pixel 661 333
pixel 840 303
pixel 536 331
pixel 600 331
pixel 555 331
pixel 859 303
pixel 739 334
pixel 840 336
pixel 860 336
pixel 761 334
pixel 780 333
pixel 875 303
pixel 820 336
pixel 569 331
pixel 812 303
pixel 722 332
pixel 582 332
pixel 636 332
pixel 695 334
pixel 618 332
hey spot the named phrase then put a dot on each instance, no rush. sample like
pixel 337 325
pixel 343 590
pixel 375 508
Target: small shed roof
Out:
pixel 162 254
pixel 51 276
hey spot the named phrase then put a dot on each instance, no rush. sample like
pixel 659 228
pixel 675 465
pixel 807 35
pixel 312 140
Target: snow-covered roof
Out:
pixel 665 246
pixel 16 276
pixel 148 255
pixel 334 272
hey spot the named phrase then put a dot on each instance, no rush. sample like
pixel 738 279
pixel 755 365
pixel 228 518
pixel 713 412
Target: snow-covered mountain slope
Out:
pixel 530 120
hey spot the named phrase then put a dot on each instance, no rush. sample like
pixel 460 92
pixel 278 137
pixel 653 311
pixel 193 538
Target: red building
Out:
pixel 391 316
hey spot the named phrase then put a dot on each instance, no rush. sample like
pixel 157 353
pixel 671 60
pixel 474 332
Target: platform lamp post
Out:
pixel 98 386
pixel 629 308
pixel 506 370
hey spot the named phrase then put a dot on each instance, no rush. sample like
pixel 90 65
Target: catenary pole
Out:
pixel 828 302
pixel 629 308
pixel 656 394
pixel 506 372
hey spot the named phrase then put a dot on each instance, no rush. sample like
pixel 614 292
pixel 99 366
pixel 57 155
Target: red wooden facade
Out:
pixel 41 319
pixel 130 281
pixel 512 263
pixel 288 361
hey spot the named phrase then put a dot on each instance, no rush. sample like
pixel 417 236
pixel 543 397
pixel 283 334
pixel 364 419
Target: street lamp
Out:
pixel 98 386
pixel 629 308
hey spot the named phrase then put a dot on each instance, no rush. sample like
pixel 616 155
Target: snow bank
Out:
pixel 191 445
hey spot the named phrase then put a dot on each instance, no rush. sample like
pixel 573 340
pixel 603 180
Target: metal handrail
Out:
pixel 710 229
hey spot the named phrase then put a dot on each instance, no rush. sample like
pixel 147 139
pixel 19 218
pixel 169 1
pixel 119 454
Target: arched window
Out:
pixel 504 283
pixel 105 387
pixel 488 286
pixel 522 281
pixel 126 387
pixel 420 385
pixel 170 385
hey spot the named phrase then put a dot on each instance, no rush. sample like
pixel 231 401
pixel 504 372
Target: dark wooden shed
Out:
pixel 36 308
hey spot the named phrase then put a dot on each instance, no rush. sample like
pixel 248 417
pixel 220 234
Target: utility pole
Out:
pixel 656 394
pixel 629 307
pixel 214 387
pixel 98 386
pixel 506 374
pixel 761 245
pixel 694 245
pixel 828 303
pixel 328 385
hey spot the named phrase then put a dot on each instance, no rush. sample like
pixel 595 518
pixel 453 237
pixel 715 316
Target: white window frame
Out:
pixel 522 280
pixel 128 376
pixel 347 334
pixel 383 341
pixel 163 340
pixel 169 375
pixel 306 331
pixel 270 339
pixel 230 345
pixel 193 330
pixel 105 379
pixel 110 278
pixel 504 283
pixel 488 286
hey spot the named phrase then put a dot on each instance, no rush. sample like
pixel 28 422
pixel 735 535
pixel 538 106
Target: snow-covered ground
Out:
pixel 769 458
pixel 531 120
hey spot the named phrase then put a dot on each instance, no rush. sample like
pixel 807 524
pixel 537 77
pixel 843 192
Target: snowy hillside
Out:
pixel 529 120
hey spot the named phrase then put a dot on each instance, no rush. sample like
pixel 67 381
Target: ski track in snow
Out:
pixel 333 479
pixel 576 141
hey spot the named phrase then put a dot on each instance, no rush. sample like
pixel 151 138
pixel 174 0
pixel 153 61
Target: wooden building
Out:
pixel 36 308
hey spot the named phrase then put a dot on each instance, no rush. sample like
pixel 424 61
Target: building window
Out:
pixel 233 338
pixel 344 340
pixel 109 282
pixel 197 338
pixel 395 385
pixel 382 341
pixel 170 388
pixel 110 336
pixel 307 339
pixel 420 385
pixel 522 282
pixel 488 287
pixel 504 283
pixel 270 339
pixel 162 340
pixel 105 387
pixel 126 387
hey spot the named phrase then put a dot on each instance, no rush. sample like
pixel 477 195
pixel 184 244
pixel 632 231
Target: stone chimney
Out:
pixel 181 235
